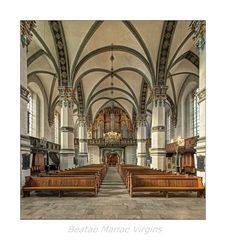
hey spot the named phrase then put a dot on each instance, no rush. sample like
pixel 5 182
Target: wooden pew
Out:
pixel 150 172
pixel 119 166
pixel 123 171
pixel 154 175
pixel 99 165
pixel 60 184
pixel 101 169
pixel 73 174
pixel 91 170
pixel 105 166
pixel 165 184
pixel 122 168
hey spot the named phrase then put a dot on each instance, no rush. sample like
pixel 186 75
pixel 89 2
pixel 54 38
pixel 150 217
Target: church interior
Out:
pixel 112 119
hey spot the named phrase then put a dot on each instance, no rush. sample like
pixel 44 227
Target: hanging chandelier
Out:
pixel 112 136
pixel 112 70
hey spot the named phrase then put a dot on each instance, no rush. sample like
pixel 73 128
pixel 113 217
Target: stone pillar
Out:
pixel 199 29
pixel 67 152
pixel 141 141
pixel 25 160
pixel 83 147
pixel 25 163
pixel 158 142
pixel 201 143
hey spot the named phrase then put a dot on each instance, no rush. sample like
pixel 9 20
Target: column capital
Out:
pixel 26 32
pixel 24 93
pixel 159 91
pixel 198 29
pixel 141 120
pixel 66 96
pixel 159 94
pixel 81 117
pixel 82 120
pixel 202 95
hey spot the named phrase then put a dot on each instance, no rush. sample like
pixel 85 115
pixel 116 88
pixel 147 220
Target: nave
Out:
pixel 112 92
pixel 112 202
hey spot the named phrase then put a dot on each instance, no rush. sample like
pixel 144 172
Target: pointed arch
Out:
pixel 109 48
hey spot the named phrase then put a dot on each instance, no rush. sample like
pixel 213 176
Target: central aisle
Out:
pixel 113 185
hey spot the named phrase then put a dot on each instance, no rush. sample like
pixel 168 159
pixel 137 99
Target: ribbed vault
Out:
pixel 146 53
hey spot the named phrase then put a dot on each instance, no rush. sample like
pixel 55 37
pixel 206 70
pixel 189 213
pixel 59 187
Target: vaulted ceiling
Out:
pixel 77 54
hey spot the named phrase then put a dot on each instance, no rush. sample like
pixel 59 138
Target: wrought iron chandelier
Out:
pixel 112 136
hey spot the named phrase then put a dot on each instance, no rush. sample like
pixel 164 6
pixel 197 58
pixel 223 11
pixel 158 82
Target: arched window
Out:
pixel 169 127
pixel 56 127
pixel 33 115
pixel 192 114
pixel 30 115
pixel 195 115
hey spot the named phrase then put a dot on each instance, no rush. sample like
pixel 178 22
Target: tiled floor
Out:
pixel 112 202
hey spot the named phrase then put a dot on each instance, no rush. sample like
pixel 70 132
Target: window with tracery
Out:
pixel 195 115
pixel 30 115
pixel 56 127
pixel 169 127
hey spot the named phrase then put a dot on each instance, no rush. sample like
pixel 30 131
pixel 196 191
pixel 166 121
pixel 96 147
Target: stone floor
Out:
pixel 112 202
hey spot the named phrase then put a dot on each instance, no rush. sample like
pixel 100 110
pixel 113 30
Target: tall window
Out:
pixel 33 115
pixel 30 115
pixel 195 116
pixel 169 127
pixel 56 127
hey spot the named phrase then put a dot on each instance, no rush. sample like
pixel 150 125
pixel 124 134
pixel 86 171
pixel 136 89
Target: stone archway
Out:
pixel 112 158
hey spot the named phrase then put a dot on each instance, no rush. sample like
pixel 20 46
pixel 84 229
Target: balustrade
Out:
pixel 189 144
pixel 42 144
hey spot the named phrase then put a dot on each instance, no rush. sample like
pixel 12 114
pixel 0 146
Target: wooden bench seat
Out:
pixel 101 170
pixel 60 184
pixel 99 165
pixel 80 174
pixel 165 184
pixel 120 166
pixel 123 168
pixel 78 170
pixel 152 175
pixel 144 171
pixel 57 188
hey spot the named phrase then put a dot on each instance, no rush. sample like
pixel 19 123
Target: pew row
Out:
pixel 74 174
pixel 151 172
pixel 61 184
pixel 165 184
pixel 95 169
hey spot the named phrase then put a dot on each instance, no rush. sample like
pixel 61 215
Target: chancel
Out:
pixel 112 119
